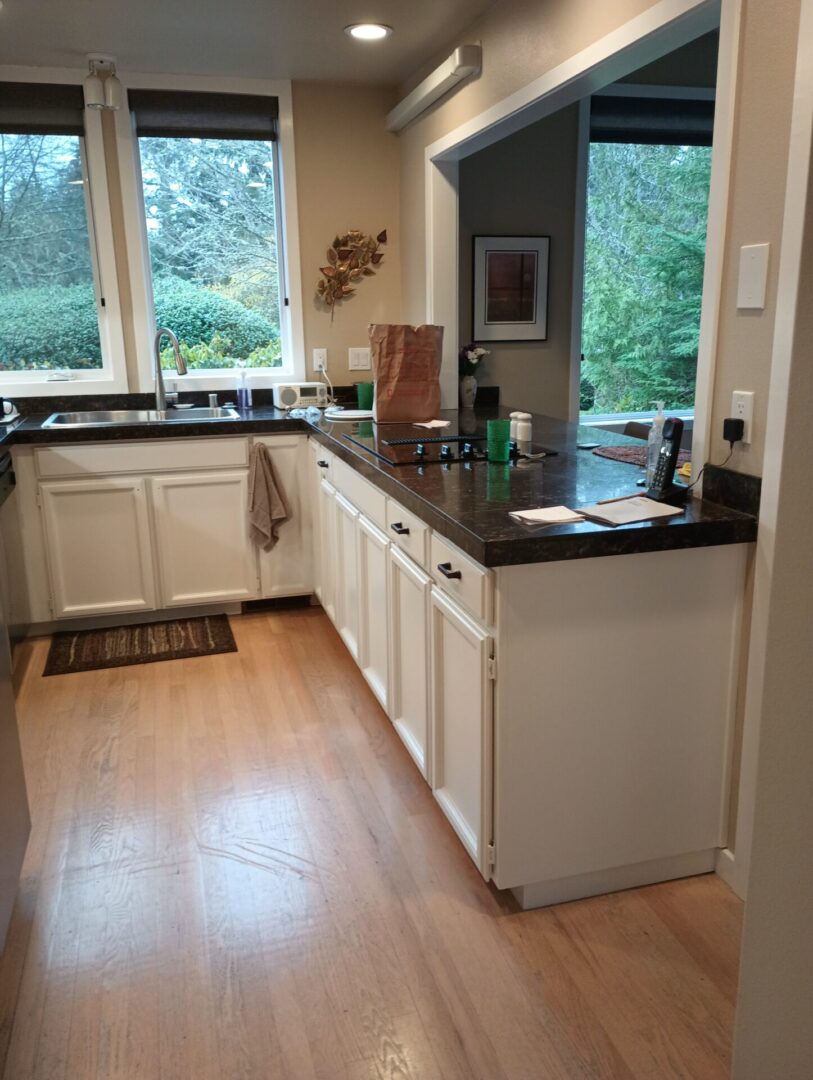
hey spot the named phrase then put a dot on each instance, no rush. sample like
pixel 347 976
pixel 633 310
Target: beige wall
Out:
pixel 347 178
pixel 756 207
pixel 525 185
pixel 774 1034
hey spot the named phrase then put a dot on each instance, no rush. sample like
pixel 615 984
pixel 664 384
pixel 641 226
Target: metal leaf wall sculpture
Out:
pixel 351 258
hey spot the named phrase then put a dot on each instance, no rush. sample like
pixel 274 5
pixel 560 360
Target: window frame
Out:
pixel 138 256
pixel 112 376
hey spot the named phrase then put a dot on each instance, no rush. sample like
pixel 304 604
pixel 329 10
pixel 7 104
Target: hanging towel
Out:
pixel 267 505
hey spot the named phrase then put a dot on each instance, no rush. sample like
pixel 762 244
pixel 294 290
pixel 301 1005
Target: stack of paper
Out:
pixel 628 511
pixel 548 515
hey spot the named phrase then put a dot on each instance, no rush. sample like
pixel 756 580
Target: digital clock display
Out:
pixel 308 391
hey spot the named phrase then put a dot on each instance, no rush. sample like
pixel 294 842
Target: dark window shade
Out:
pixel 661 121
pixel 177 114
pixel 41 109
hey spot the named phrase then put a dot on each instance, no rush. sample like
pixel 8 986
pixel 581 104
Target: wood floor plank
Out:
pixel 235 870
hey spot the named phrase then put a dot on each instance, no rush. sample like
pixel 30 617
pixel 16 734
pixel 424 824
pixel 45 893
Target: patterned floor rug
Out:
pixel 147 643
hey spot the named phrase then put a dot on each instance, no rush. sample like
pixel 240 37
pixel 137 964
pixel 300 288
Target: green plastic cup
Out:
pixel 364 393
pixel 498 436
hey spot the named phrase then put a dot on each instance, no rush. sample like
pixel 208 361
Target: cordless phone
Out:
pixel 663 489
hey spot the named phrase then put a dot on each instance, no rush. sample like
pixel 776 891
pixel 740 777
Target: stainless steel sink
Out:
pixel 116 417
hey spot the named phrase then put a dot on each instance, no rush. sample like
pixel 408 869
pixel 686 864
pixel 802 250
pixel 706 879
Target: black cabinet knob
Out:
pixel 399 528
pixel 446 569
pixel 322 464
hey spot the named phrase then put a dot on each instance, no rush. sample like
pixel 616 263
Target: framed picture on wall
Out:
pixel 511 288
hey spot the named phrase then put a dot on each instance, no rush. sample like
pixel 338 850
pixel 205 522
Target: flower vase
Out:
pixel 468 391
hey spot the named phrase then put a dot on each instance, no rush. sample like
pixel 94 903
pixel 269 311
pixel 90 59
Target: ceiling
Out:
pixel 295 39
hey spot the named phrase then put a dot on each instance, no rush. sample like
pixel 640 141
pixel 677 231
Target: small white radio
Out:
pixel 300 395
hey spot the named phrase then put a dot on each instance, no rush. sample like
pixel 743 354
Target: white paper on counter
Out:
pixel 546 515
pixel 431 423
pixel 628 511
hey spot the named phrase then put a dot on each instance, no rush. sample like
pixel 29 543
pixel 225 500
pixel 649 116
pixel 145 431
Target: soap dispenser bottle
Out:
pixel 653 445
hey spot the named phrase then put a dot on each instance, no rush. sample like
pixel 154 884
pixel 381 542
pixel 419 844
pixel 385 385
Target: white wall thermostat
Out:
pixel 300 395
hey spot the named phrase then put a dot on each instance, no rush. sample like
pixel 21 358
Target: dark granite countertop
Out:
pixel 470 506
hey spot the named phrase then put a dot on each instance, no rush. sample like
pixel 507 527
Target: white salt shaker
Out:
pixel 514 416
pixel 524 430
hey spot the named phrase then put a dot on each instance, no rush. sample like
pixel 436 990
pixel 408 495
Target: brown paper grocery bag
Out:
pixel 406 367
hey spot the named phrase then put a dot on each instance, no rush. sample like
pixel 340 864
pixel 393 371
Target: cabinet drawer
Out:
pixel 407 531
pixel 365 497
pixel 464 578
pixel 158 455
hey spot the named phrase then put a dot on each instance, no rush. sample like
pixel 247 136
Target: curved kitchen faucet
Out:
pixel 180 366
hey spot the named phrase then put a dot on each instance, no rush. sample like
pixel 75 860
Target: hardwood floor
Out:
pixel 235 871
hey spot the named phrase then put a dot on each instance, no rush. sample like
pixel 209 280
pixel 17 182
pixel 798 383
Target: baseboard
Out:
pixel 132 618
pixel 727 867
pixel 614 879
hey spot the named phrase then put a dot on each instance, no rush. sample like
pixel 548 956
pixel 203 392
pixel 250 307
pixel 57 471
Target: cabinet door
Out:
pixel 285 570
pixel 410 589
pixel 462 743
pixel 373 550
pixel 347 591
pixel 201 527
pixel 328 530
pixel 97 539
pixel 314 481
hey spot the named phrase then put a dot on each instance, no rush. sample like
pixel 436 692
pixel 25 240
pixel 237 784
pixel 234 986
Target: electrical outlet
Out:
pixel 358 359
pixel 320 359
pixel 742 407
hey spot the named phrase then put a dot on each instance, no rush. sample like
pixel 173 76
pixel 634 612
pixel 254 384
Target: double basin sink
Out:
pixel 117 417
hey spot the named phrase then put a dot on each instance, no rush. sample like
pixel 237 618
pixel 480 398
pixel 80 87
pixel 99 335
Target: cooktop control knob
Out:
pixel 513 450
pixel 446 453
pixel 467 453
pixel 420 451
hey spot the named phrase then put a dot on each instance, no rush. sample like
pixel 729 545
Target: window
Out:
pixel 49 290
pixel 645 243
pixel 209 186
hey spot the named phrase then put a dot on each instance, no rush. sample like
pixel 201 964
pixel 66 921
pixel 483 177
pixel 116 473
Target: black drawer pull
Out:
pixel 400 529
pixel 322 464
pixel 446 569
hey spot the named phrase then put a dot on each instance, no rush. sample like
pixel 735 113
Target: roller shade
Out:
pixel 178 114
pixel 41 109
pixel 662 121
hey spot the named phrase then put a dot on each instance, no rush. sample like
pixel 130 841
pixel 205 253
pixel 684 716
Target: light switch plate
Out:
pixel 358 359
pixel 753 277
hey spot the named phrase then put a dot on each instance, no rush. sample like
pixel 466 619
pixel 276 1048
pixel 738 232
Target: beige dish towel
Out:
pixel 267 505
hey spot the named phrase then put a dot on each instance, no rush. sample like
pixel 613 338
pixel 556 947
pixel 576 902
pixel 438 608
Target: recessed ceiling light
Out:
pixel 368 31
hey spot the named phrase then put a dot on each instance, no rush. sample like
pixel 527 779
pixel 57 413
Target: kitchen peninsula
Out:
pixel 566 691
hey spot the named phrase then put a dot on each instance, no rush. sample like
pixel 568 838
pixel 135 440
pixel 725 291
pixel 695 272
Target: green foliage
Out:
pixel 196 314
pixel 212 233
pixel 57 328
pixel 220 353
pixel 49 328
pixel 644 253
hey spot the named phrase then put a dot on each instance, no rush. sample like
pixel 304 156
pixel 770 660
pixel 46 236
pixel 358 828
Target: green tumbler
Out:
pixel 364 393
pixel 498 436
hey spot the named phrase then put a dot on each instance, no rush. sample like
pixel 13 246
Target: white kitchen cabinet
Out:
pixel 286 570
pixel 373 659
pixel 347 584
pixel 314 480
pixel 462 744
pixel 201 527
pixel 410 590
pixel 97 544
pixel 328 529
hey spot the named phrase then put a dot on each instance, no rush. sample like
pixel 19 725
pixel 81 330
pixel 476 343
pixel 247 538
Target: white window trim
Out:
pixel 111 378
pixel 292 328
